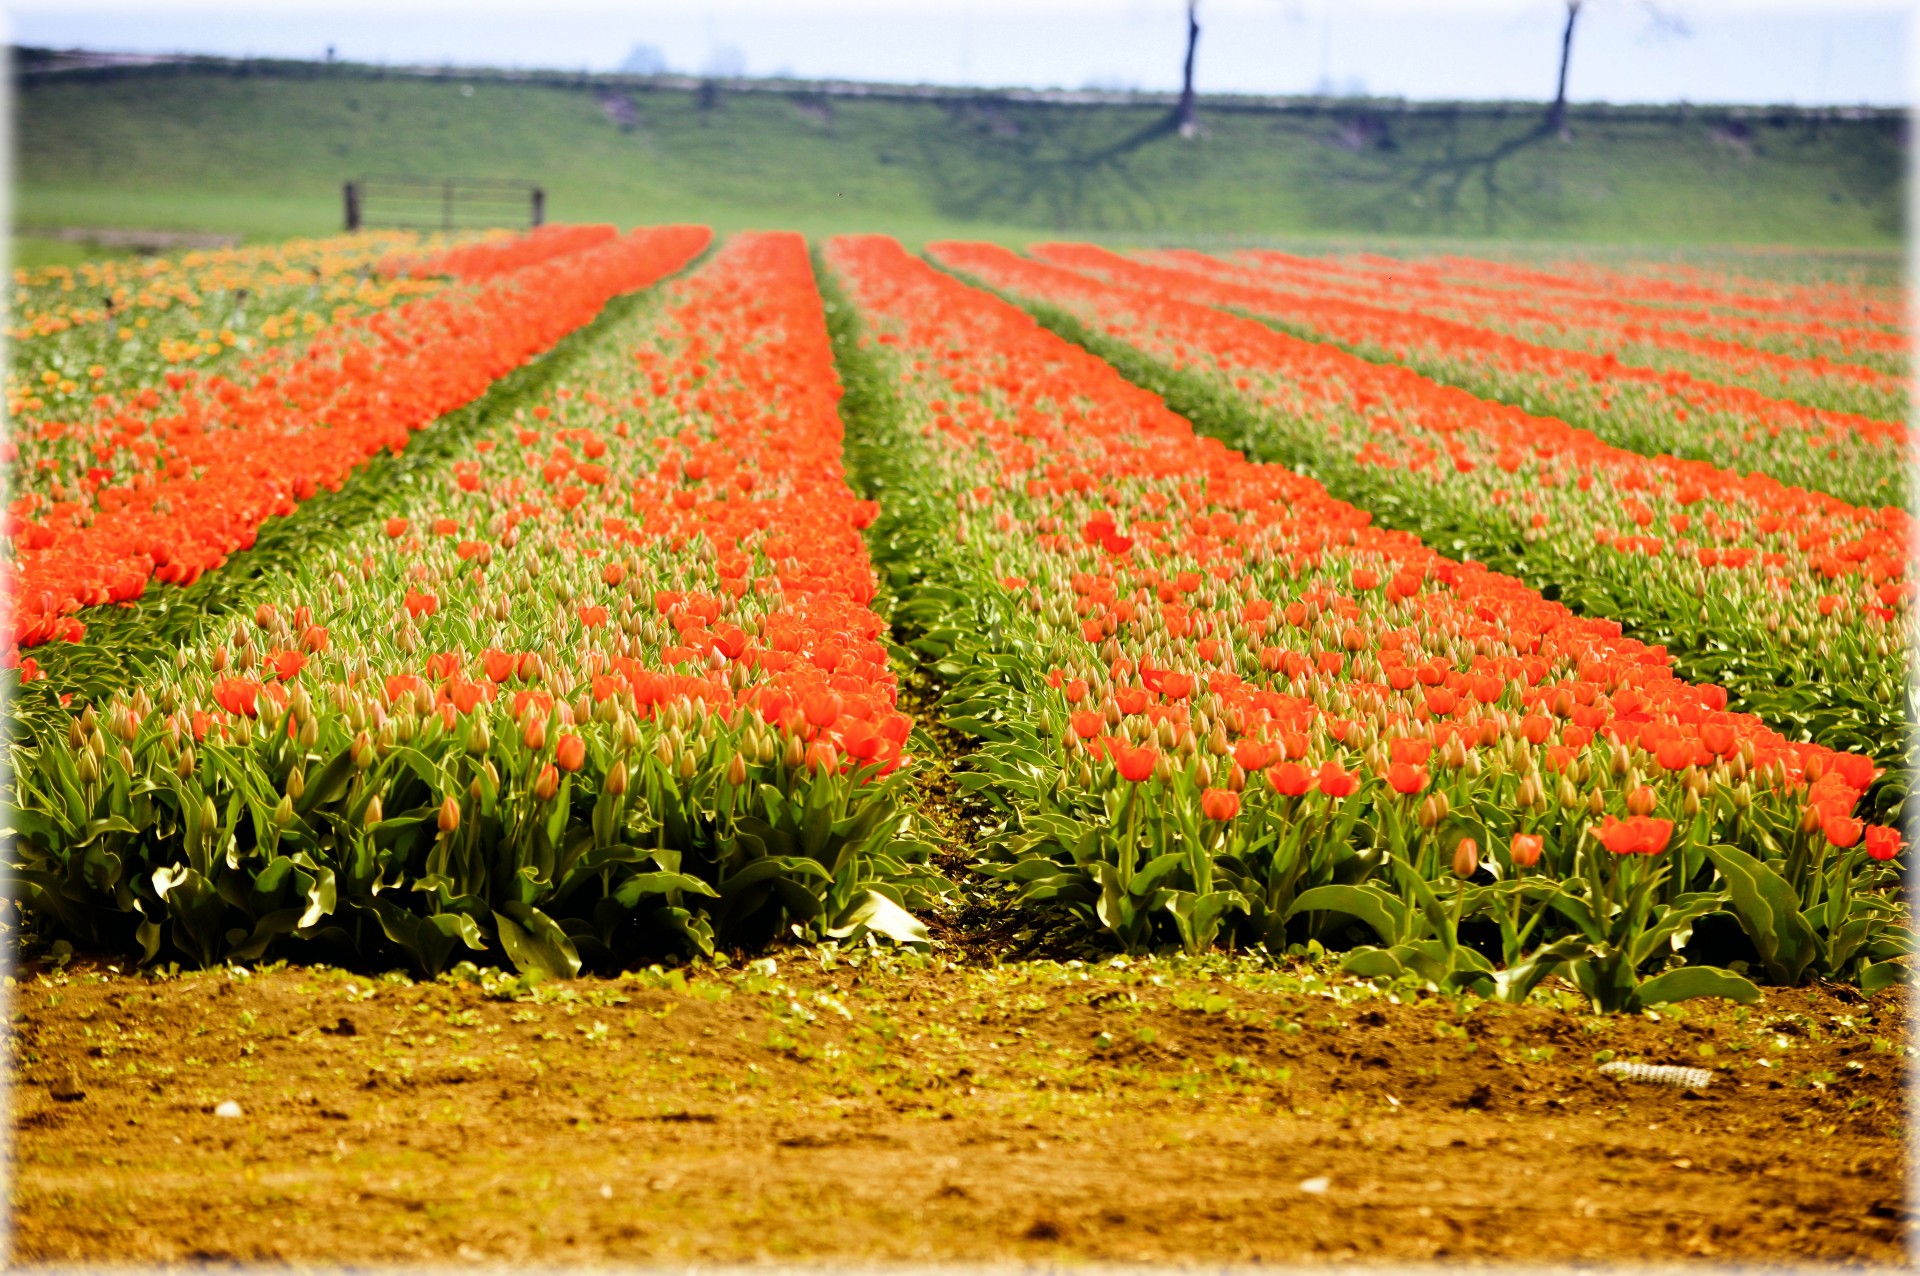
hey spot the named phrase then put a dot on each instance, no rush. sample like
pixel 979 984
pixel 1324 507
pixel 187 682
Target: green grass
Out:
pixel 35 250
pixel 264 154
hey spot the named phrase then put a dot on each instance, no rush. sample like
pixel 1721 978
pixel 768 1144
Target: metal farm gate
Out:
pixel 392 202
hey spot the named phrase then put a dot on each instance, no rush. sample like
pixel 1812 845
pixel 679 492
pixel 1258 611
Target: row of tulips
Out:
pixel 1857 315
pixel 1795 602
pixel 1216 702
pixel 500 255
pixel 173 492
pixel 608 686
pixel 1615 298
pixel 1628 333
pixel 1858 459
pixel 128 344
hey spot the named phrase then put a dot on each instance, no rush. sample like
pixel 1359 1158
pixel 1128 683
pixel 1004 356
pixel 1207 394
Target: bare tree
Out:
pixel 1557 115
pixel 1184 116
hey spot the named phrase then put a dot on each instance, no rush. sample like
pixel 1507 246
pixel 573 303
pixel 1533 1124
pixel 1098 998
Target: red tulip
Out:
pixel 1638 835
pixel 1842 831
pixel 237 696
pixel 1336 781
pixel 1220 804
pixel 1253 755
pixel 1134 764
pixel 547 784
pixel 569 752
pixel 1526 849
pixel 1406 778
pixel 1290 779
pixel 1883 843
pixel 822 708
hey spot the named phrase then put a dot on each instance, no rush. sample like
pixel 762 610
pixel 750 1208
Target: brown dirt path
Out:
pixel 909 1110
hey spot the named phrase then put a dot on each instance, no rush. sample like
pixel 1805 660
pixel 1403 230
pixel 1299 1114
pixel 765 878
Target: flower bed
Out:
pixel 195 485
pixel 1841 377
pixel 608 686
pixel 1857 458
pixel 502 256
pixel 1215 701
pixel 1794 601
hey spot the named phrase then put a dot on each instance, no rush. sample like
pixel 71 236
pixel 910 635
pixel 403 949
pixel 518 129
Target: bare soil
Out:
pixel 874 1108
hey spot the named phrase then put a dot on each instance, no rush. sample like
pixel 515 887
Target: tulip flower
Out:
pixel 1220 804
pixel 1525 849
pixel 1637 835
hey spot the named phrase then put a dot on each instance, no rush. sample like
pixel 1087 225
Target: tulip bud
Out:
pixel 296 783
pixel 96 744
pixel 478 739
pixel 283 813
pixel 1596 803
pixel 1690 804
pixel 548 783
pixel 535 736
pixel 373 814
pixel 1466 857
pixel 183 765
pixel 1569 796
pixel 1641 801
pixel 796 752
pixel 689 766
pixel 1429 812
pixel 449 815
pixel 617 777
pixel 1742 796
pixel 1809 819
pixel 737 770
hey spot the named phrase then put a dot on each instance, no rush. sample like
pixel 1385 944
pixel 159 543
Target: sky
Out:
pixel 1845 52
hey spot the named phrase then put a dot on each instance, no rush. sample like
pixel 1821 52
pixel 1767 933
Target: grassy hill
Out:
pixel 262 149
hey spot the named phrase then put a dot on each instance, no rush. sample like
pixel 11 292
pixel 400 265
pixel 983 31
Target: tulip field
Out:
pixel 1528 628
pixel 746 695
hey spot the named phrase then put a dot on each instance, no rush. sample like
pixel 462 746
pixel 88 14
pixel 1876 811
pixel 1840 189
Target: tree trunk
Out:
pixel 1183 114
pixel 1557 117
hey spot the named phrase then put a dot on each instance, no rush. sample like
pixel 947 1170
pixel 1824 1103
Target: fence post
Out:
pixel 351 192
pixel 539 206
